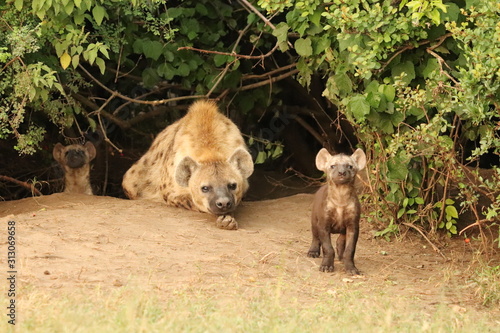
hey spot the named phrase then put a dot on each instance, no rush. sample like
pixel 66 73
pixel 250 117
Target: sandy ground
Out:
pixel 79 242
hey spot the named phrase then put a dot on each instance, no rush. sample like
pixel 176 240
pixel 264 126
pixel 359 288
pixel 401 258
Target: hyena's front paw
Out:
pixel 226 222
pixel 313 253
pixel 326 268
pixel 351 269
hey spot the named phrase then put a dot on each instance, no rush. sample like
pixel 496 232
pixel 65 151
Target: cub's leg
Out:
pixel 341 245
pixel 314 250
pixel 328 252
pixel 350 249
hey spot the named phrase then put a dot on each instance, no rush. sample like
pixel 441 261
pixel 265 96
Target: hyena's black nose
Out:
pixel 224 203
pixel 342 173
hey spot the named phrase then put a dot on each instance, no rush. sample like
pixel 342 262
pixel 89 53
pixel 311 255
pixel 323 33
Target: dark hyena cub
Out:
pixel 336 209
pixel 75 161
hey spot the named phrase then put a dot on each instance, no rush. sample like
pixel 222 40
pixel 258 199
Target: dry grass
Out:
pixel 261 308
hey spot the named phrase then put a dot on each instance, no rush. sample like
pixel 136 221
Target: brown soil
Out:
pixel 77 242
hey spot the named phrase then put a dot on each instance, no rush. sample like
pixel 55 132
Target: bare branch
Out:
pixel 250 7
pixel 138 101
pixel 268 74
pixel 21 183
pixel 231 54
pixel 269 81
pixel 223 73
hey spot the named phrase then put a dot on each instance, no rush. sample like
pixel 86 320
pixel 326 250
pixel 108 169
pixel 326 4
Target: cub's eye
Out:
pixel 232 186
pixel 333 166
pixel 205 189
pixel 349 167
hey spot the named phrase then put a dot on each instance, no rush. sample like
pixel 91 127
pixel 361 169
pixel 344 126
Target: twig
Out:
pixel 138 101
pixel 21 183
pixel 231 54
pixel 250 7
pixel 270 73
pixel 223 73
pixel 99 111
pixel 309 128
pixel 436 249
pixel 269 81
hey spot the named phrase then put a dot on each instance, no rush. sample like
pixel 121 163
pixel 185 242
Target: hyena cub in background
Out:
pixel 200 163
pixel 336 209
pixel 75 161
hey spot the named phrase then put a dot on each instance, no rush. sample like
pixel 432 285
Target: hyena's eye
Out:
pixel 333 166
pixel 349 167
pixel 205 189
pixel 232 186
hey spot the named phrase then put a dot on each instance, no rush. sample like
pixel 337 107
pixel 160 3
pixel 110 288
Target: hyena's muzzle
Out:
pixel 221 201
pixel 75 158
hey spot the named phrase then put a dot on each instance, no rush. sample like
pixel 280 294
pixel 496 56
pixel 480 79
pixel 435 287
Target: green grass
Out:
pixel 487 280
pixel 259 309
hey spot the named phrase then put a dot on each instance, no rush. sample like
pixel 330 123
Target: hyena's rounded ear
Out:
pixel 57 152
pixel 322 159
pixel 90 149
pixel 185 170
pixel 242 160
pixel 360 158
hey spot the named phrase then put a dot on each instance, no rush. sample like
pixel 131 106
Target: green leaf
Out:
pixel 419 201
pixel 432 66
pixel 347 41
pixel 303 47
pixel 398 168
pixel 166 71
pixel 98 12
pixel 401 212
pixel 101 64
pixel 435 16
pixel 358 107
pixel 183 70
pixel 343 83
pixel 75 60
pixel 152 49
pixel 389 92
pixel 281 32
pixel 18 4
pixel 404 67
pixel 451 211
pixel 261 157
pixel 220 59
pixel 278 151
pixel 150 77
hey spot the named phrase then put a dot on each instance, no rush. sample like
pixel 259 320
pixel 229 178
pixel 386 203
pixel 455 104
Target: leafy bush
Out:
pixel 420 80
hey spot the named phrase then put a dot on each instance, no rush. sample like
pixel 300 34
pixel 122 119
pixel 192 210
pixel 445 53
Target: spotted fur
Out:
pixel 198 163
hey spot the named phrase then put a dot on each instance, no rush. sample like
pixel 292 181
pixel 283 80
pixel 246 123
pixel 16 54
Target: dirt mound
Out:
pixel 79 241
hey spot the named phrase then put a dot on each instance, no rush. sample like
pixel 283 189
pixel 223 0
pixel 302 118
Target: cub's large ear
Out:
pixel 322 159
pixel 57 152
pixel 185 170
pixel 360 158
pixel 242 160
pixel 91 150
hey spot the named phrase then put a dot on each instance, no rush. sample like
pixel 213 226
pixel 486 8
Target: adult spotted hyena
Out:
pixel 200 163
